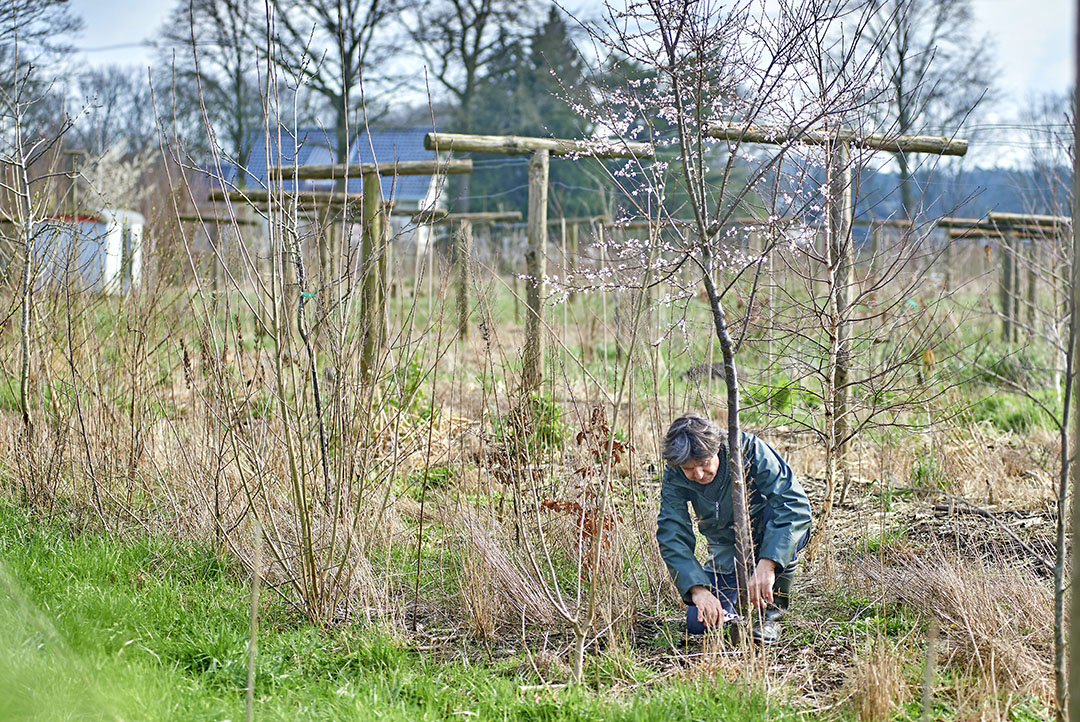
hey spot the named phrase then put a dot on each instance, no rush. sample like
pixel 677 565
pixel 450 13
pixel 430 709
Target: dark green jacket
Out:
pixel 771 483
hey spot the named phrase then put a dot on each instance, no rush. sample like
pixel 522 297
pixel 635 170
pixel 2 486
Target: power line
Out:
pixel 118 46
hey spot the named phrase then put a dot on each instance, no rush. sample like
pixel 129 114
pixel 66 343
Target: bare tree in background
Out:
pixel 119 111
pixel 339 49
pixel 937 70
pixel 41 30
pixel 458 41
pixel 212 47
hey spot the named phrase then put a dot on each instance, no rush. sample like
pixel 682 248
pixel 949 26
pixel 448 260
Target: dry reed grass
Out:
pixel 507 587
pixel 995 620
pixel 876 686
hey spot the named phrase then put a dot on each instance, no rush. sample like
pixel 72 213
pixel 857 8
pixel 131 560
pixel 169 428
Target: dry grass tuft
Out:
pixel 479 594
pixel 877 686
pixel 995 620
pixel 503 582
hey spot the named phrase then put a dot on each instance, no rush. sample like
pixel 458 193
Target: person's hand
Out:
pixel 709 610
pixel 760 588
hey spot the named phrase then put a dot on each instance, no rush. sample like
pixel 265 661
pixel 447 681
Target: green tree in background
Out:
pixel 528 90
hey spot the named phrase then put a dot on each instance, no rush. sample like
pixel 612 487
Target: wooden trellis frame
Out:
pixel 838 143
pixel 539 151
pixel 373 208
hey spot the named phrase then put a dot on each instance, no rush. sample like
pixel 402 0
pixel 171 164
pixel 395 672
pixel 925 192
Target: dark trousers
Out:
pixel 726 587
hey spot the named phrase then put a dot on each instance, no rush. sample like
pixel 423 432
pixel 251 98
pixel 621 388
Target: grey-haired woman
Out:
pixel 697 474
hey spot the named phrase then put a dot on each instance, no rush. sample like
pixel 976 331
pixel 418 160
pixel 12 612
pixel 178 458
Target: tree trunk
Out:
pixel 531 374
pixel 27 296
pixel 1074 468
pixel 840 282
pixel 744 544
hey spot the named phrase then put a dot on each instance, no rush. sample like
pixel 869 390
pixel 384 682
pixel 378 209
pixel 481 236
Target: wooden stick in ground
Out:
pixel 253 630
pixel 1005 287
pixel 1016 246
pixel 531 373
pixel 290 286
pixel 1032 248
pixel 572 261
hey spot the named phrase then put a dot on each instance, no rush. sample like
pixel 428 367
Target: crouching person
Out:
pixel 697 473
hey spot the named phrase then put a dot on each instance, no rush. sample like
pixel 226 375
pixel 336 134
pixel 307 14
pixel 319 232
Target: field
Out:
pixel 434 543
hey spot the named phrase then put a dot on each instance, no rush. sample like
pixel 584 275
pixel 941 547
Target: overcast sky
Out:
pixel 1032 38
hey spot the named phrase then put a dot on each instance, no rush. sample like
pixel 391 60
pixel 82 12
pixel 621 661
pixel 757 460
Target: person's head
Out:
pixel 692 444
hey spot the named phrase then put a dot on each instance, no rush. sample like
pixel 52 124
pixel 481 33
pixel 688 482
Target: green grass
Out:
pixel 94 627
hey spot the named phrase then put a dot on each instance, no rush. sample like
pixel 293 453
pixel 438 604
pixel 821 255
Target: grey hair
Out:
pixel 691 438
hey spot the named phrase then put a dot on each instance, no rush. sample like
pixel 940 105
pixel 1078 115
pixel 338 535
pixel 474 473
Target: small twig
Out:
pixel 522 688
pixel 928 670
pixel 256 574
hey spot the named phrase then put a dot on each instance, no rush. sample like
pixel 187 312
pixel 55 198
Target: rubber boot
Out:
pixel 766 622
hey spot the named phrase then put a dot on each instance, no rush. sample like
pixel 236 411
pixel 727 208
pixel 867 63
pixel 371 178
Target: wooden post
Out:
pixel 573 257
pixel 531 374
pixel 1032 282
pixel 290 296
pixel 215 264
pixel 370 308
pixel 463 255
pixel 1016 247
pixel 326 253
pixel 1005 288
pixel 565 279
pixel 602 242
pixel 875 244
pixel 385 256
pixel 947 258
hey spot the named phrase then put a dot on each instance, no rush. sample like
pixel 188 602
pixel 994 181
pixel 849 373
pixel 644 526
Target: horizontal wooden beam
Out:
pixel 440 215
pixel 429 213
pixel 1029 219
pixel 577 219
pixel 937 145
pixel 999 222
pixel 882 223
pixel 217 220
pixel 516 145
pixel 488 217
pixel 404 167
pixel 262 197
